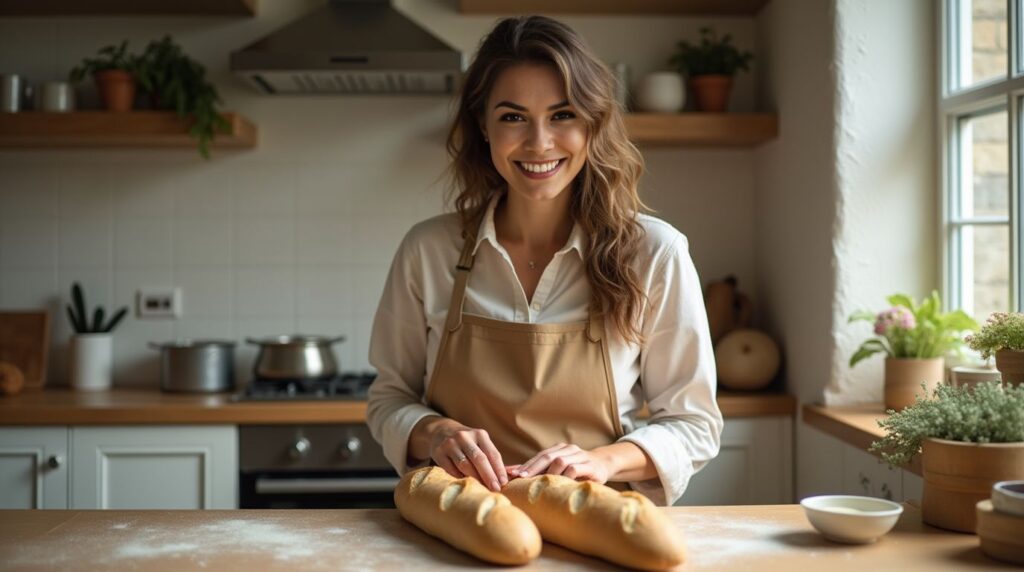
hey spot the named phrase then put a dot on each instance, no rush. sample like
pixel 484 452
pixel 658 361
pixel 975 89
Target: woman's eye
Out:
pixel 511 117
pixel 565 115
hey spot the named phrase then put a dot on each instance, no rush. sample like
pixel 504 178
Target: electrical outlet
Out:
pixel 159 302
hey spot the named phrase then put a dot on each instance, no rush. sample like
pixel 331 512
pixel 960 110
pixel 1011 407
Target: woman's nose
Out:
pixel 540 138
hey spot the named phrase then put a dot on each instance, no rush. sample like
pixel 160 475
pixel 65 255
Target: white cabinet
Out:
pixel 867 475
pixel 754 465
pixel 33 467
pixel 154 467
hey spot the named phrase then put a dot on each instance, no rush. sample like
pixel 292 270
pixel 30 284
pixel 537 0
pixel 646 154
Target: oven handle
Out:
pixel 354 485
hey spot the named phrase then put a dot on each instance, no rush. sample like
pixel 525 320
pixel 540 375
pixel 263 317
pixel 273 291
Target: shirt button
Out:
pixel 536 305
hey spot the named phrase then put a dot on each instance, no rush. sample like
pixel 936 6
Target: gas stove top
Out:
pixel 351 386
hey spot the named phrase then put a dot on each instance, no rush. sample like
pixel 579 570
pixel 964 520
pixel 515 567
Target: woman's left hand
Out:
pixel 566 460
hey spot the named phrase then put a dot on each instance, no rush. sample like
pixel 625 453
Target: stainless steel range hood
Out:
pixel 350 47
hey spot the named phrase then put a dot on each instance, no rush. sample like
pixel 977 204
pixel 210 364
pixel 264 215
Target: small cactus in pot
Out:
pixel 91 347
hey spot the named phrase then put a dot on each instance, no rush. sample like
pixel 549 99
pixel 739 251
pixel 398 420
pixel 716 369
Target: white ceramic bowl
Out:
pixel 851 519
pixel 1008 497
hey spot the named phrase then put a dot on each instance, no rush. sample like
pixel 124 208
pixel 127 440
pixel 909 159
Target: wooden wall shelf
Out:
pixel 622 7
pixel 702 129
pixel 44 8
pixel 92 129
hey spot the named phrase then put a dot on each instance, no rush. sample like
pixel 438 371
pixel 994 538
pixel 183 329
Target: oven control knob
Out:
pixel 349 448
pixel 299 448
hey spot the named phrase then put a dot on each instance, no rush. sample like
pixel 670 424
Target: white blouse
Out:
pixel 673 372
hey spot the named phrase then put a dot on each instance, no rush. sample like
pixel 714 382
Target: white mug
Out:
pixel 57 96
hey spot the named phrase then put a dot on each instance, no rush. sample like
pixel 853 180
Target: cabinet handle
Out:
pixel 55 461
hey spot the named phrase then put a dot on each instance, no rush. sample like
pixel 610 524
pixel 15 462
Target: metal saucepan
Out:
pixel 197 366
pixel 295 357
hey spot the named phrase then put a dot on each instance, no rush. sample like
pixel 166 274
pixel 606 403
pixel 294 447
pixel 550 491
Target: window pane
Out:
pixel 985 285
pixel 987 193
pixel 983 51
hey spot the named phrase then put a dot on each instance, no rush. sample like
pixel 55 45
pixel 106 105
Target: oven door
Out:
pixel 317 489
pixel 313 466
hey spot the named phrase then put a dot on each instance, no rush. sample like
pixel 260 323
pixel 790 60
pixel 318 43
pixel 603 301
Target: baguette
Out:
pixel 622 527
pixel 468 516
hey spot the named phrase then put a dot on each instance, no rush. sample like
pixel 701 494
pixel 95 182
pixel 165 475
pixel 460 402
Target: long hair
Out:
pixel 604 198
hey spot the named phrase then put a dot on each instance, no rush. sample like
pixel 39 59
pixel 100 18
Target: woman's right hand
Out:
pixel 462 451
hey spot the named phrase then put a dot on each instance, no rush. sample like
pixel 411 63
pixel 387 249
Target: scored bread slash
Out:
pixel 622 527
pixel 468 516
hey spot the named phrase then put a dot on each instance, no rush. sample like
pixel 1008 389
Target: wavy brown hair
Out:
pixel 604 201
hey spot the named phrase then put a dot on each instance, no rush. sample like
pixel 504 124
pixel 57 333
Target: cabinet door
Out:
pixel 33 467
pixel 154 467
pixel 753 466
pixel 867 475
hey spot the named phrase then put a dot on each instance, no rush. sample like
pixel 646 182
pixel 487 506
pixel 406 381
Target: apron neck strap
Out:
pixel 462 269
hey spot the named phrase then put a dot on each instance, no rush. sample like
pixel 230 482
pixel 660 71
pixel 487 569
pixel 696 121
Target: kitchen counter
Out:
pixel 766 537
pixel 143 406
pixel 855 425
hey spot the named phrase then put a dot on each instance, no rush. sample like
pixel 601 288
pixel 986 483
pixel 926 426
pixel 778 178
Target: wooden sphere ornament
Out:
pixel 747 360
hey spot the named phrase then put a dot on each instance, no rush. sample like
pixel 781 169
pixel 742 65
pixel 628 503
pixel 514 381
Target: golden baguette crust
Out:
pixel 468 516
pixel 623 527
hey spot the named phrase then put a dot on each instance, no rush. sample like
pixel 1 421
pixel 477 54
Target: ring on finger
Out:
pixel 460 459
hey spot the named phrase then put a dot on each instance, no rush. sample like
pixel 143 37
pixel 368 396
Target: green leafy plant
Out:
pixel 1002 331
pixel 910 330
pixel 988 413
pixel 109 58
pixel 79 315
pixel 176 81
pixel 713 55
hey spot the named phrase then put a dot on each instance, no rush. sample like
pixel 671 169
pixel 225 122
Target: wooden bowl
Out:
pixel 1000 533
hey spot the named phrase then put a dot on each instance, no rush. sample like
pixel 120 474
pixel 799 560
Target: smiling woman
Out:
pixel 521 334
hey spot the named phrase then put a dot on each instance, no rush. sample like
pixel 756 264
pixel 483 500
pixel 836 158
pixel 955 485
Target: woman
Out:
pixel 522 335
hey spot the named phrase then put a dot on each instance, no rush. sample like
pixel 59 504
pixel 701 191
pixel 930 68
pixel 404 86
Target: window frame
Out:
pixel 955 105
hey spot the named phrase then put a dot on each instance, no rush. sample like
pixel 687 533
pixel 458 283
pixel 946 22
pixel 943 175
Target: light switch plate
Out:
pixel 159 302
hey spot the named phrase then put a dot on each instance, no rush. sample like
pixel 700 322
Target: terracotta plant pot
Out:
pixel 903 377
pixel 1010 364
pixel 711 92
pixel 957 475
pixel 117 89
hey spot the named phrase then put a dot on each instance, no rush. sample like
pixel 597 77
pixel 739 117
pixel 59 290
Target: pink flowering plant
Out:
pixel 910 330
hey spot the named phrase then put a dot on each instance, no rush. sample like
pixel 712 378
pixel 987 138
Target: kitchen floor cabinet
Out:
pixel 123 467
pixel 33 467
pixel 161 467
pixel 754 465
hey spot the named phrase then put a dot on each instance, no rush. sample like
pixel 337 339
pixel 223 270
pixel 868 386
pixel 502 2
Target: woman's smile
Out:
pixel 534 170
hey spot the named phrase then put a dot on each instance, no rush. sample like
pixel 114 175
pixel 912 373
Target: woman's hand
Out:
pixel 569 461
pixel 465 451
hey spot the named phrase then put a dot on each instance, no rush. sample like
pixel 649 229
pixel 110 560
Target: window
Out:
pixel 980 113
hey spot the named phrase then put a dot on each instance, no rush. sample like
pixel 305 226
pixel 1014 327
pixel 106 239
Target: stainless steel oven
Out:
pixel 313 466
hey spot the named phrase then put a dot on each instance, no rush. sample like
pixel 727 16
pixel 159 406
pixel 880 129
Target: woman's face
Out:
pixel 538 143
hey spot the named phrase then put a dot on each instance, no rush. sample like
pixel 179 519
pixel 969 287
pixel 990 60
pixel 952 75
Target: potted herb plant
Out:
pixel 915 338
pixel 114 71
pixel 1002 336
pixel 968 440
pixel 175 81
pixel 709 68
pixel 91 354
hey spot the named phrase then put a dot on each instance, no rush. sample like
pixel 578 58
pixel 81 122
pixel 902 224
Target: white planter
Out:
pixel 91 362
pixel 661 92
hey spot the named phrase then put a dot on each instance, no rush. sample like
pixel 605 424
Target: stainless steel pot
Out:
pixel 197 366
pixel 295 357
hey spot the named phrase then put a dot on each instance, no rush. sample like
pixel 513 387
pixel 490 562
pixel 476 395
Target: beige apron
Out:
pixel 530 386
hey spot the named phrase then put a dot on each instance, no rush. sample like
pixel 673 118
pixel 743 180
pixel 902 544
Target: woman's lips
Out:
pixel 544 175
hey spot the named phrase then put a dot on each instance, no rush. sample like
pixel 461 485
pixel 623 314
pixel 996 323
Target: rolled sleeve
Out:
pixel 678 380
pixel 398 346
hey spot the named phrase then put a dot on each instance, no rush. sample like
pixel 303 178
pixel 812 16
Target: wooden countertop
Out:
pixel 144 406
pixel 856 425
pixel 767 537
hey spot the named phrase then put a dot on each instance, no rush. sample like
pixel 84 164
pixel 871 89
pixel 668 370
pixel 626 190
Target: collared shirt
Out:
pixel 673 371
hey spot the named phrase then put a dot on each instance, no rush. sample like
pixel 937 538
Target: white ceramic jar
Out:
pixel 91 362
pixel 662 92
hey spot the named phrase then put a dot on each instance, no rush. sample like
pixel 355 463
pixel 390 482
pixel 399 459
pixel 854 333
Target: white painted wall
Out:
pixel 297 234
pixel 846 197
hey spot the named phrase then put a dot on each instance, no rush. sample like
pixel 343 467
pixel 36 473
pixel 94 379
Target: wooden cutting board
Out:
pixel 24 342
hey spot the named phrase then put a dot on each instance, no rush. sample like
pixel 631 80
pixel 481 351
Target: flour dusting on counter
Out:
pixel 713 540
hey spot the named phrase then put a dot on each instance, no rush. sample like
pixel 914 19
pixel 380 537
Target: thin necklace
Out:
pixel 532 264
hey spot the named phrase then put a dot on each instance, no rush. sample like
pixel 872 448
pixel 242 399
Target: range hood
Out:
pixel 350 47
